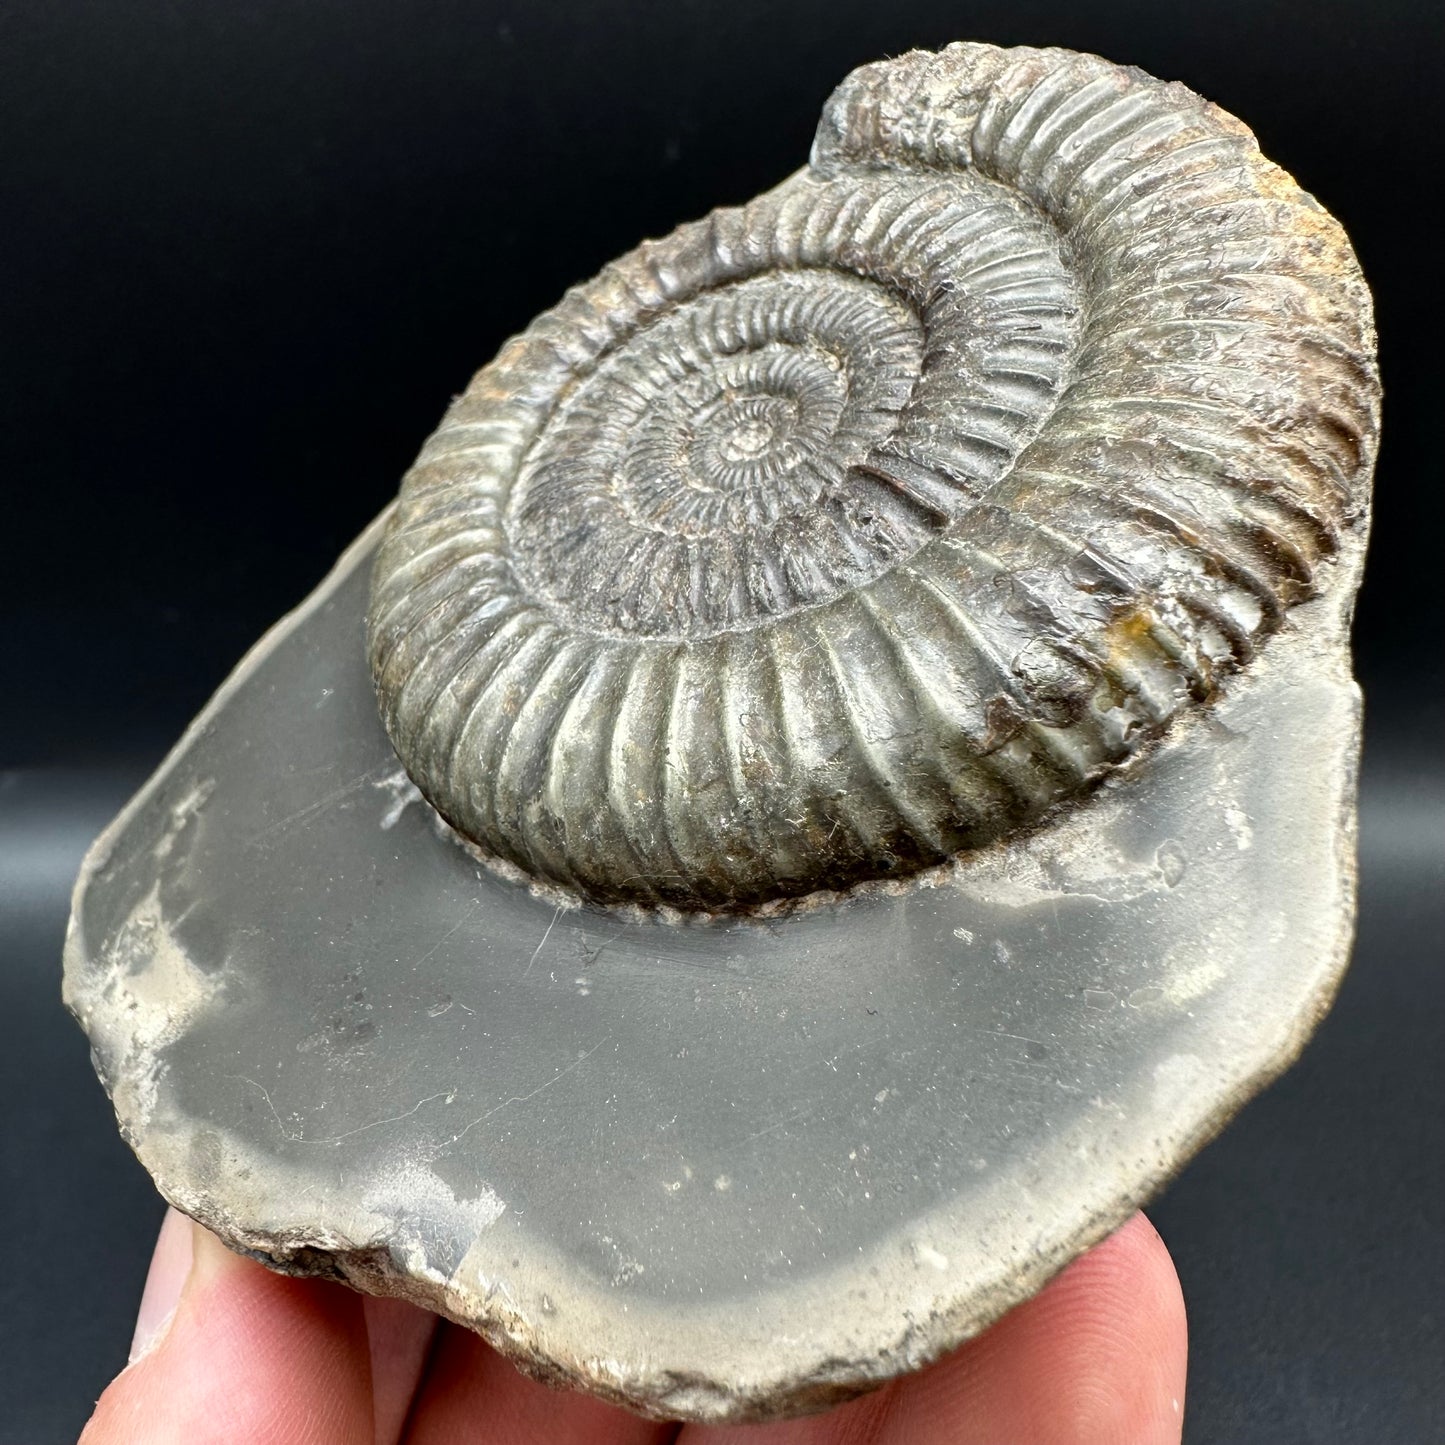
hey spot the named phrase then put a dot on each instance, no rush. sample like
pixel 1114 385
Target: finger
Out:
pixel 170 1264
pixel 1098 1358
pixel 245 1355
pixel 472 1396
pixel 400 1336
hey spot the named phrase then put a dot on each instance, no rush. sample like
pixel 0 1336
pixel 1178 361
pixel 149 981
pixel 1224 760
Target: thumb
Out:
pixel 225 1350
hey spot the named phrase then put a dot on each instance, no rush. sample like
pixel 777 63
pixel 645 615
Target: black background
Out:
pixel 249 250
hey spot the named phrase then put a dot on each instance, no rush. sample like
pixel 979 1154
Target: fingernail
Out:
pixel 170 1264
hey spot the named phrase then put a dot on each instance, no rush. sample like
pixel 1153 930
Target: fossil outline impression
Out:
pixel 862 524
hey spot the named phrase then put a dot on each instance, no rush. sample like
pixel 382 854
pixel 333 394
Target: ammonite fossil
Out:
pixel 864 523
pixel 887 648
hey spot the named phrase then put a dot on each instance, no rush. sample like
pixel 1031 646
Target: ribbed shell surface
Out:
pixel 862 524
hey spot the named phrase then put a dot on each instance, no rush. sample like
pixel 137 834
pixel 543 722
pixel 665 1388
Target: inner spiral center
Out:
pixel 804 401
pixel 705 474
pixel 749 427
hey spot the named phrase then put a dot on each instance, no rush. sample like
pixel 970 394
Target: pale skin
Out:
pixel 228 1352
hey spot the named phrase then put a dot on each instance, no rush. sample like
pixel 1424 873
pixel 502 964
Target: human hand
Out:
pixel 228 1353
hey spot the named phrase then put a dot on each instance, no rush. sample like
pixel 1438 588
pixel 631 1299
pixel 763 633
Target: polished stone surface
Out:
pixel 710 1169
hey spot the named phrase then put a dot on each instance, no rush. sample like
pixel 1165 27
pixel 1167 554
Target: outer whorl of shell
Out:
pixel 862 524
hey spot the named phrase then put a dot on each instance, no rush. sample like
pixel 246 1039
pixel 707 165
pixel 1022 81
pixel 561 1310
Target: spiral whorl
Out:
pixel 836 533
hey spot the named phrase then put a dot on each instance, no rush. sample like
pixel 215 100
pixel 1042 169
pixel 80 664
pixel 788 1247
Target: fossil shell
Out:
pixel 865 523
